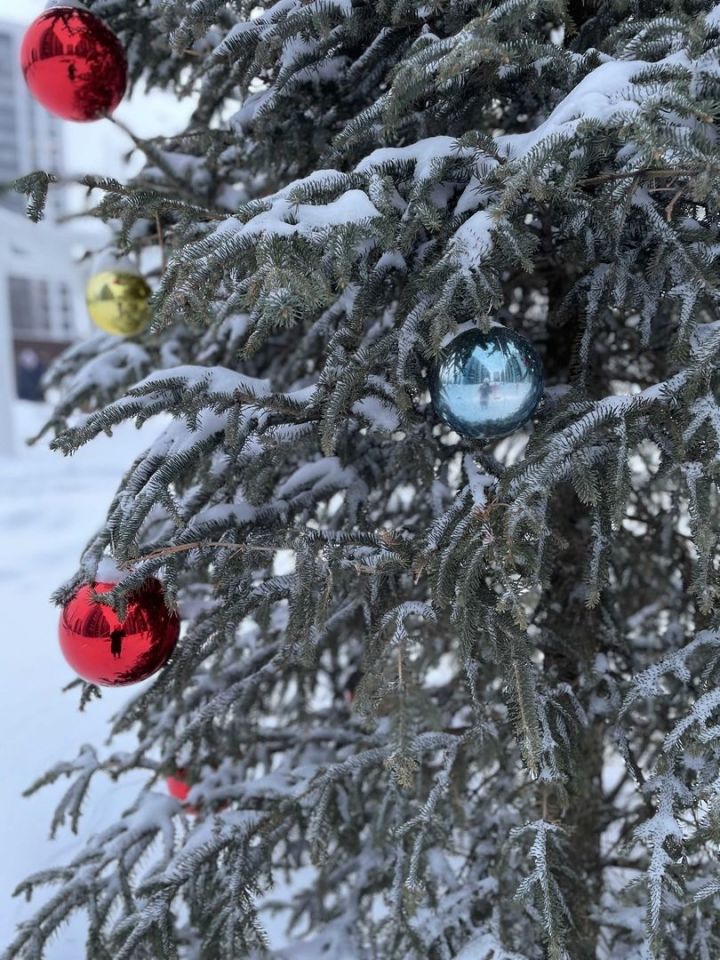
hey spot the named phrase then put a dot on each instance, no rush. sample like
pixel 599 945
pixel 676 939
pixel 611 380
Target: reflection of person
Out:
pixel 29 372
pixel 484 393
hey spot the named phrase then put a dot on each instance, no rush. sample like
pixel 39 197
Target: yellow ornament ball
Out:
pixel 118 302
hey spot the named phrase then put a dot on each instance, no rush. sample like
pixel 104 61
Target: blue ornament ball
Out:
pixel 487 385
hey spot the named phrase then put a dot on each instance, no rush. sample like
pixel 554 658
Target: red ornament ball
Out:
pixel 178 787
pixel 111 652
pixel 74 64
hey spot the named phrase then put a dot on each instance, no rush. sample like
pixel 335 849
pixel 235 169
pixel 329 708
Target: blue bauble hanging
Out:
pixel 487 385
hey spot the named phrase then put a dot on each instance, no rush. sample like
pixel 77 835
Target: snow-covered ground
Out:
pixel 49 507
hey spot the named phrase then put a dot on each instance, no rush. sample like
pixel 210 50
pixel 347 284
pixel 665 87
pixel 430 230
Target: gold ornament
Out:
pixel 118 302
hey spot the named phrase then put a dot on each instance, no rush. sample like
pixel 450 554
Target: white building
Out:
pixel 30 137
pixel 41 302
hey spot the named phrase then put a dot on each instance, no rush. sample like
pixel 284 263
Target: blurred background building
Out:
pixel 41 302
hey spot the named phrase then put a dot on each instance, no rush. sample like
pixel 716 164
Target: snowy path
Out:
pixel 49 507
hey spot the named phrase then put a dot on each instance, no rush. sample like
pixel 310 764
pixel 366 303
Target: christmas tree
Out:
pixel 434 696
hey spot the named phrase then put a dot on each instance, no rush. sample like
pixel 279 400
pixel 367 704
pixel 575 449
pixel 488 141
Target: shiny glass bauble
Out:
pixel 108 651
pixel 487 385
pixel 118 302
pixel 178 786
pixel 74 64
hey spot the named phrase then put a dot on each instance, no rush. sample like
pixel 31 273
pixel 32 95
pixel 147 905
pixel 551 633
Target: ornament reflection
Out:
pixel 74 64
pixel 486 385
pixel 118 302
pixel 111 652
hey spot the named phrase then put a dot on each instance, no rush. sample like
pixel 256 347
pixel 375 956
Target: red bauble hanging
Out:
pixel 179 788
pixel 74 64
pixel 103 649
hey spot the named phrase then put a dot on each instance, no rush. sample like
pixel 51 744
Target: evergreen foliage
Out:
pixel 529 769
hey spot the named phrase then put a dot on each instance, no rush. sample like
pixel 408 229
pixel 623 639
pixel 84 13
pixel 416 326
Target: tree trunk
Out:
pixel 572 638
pixel 573 633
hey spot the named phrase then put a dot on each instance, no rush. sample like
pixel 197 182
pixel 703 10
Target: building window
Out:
pixel 6 55
pixel 29 319
pixel 40 310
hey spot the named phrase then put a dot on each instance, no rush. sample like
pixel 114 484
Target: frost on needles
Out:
pixel 528 632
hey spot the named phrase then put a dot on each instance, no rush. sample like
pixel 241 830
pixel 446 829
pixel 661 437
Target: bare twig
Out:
pixel 643 172
pixel 161 242
pixel 197 545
